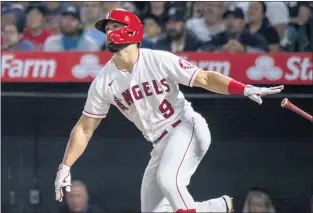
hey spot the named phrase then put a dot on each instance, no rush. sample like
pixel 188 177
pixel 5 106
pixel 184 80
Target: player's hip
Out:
pixel 191 132
pixel 187 119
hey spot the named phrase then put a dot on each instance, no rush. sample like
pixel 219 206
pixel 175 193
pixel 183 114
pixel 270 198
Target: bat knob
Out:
pixel 284 102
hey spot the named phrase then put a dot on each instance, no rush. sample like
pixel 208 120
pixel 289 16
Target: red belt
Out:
pixel 174 125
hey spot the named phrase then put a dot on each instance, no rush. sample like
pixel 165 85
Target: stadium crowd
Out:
pixel 172 26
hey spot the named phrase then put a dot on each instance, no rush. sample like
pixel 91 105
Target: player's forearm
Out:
pixel 76 145
pixel 218 83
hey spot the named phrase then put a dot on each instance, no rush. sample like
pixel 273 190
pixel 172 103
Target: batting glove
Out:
pixel 255 93
pixel 63 179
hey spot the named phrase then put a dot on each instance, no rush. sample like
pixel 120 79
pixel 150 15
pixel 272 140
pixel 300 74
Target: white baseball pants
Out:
pixel 173 161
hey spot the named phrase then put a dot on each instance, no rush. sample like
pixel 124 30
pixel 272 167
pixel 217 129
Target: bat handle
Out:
pixel 287 104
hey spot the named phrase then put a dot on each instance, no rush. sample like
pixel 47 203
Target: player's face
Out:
pixel 110 26
pixel 77 199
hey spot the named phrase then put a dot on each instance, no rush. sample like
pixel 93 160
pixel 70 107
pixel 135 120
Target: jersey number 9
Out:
pixel 166 109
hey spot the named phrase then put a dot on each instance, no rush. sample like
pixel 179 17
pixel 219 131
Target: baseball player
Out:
pixel 143 85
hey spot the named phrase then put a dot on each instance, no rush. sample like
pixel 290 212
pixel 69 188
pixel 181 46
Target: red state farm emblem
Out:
pixel 185 64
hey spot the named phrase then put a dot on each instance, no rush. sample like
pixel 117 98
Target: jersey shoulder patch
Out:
pixel 185 64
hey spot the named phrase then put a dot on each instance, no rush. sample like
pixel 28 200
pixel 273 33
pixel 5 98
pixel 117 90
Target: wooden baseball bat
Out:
pixel 287 104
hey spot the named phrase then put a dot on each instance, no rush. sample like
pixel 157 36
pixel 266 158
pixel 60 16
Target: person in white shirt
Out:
pixel 211 23
pixel 143 85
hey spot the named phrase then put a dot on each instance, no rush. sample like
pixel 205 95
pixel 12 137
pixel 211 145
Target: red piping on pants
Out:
pixel 190 210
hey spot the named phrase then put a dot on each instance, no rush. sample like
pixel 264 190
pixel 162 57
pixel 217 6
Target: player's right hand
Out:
pixel 63 179
pixel 256 93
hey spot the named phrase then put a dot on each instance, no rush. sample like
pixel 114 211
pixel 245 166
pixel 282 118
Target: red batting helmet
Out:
pixel 131 33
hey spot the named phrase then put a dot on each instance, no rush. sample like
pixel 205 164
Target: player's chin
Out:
pixel 114 48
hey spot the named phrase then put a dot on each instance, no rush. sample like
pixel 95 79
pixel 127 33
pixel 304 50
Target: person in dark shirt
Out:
pixel 152 28
pixel 77 200
pixel 236 39
pixel 301 24
pixel 299 12
pixel 158 9
pixel 178 38
pixel 258 23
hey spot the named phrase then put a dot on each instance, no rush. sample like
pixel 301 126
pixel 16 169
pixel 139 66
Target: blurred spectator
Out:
pixel 178 37
pixel 108 6
pixel 142 6
pixel 258 201
pixel 187 6
pixel 72 38
pixel 78 4
pixel 196 12
pixel 299 13
pixel 22 4
pixel 211 23
pixel 130 6
pixel 91 13
pixel 53 11
pixel 13 38
pixel 236 39
pixel 11 14
pixel 78 200
pixel 258 23
pixel 35 31
pixel 55 7
pixel 152 28
pixel 243 5
pixel 278 16
pixel 157 8
pixel 7 17
pixel 309 28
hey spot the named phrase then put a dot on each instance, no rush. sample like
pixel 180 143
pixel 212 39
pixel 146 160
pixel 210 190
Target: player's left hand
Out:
pixel 256 93
pixel 63 180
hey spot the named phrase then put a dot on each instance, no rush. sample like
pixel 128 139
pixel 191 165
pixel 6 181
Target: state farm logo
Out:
pixel 295 68
pixel 13 67
pixel 89 67
pixel 264 68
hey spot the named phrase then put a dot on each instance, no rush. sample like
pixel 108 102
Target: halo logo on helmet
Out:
pixel 119 38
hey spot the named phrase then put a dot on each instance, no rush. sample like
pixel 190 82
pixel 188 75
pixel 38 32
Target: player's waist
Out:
pixel 165 132
pixel 171 125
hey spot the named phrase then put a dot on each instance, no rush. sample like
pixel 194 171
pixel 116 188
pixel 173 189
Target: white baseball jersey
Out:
pixel 149 96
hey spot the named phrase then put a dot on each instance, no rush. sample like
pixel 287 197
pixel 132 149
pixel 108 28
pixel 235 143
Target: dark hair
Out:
pixel 264 8
pixel 41 9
